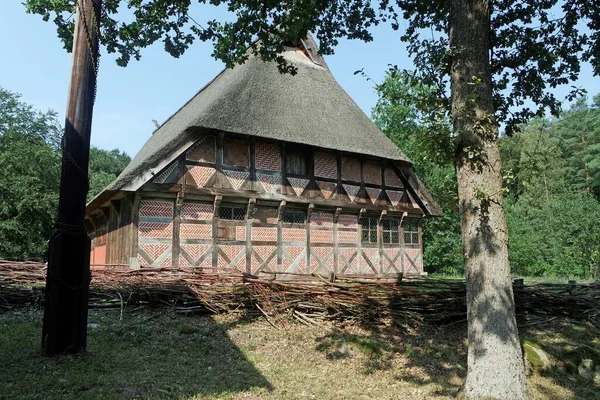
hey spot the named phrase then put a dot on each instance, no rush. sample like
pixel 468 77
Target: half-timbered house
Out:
pixel 266 172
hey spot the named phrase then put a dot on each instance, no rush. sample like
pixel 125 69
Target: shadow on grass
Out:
pixel 419 354
pixel 425 355
pixel 566 344
pixel 145 355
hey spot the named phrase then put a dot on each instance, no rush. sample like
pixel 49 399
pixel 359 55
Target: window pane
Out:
pixel 386 237
pixel 415 238
pixel 373 237
pixel 294 217
pixel 365 236
pixel 395 237
pixel 225 213
pixel 296 163
pixel 407 238
pixel 373 223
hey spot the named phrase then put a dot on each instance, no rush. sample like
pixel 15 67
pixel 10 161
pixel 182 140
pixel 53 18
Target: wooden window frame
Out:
pixel 369 230
pixel 392 229
pixel 412 234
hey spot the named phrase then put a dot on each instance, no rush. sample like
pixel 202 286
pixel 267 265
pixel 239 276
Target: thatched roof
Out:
pixel 255 99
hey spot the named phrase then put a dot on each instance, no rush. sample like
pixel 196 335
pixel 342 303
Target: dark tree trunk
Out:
pixel 495 361
pixel 68 275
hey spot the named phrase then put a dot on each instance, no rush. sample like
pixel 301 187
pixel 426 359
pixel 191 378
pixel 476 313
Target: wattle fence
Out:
pixel 308 299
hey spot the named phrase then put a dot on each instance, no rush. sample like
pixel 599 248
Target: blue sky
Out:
pixel 128 99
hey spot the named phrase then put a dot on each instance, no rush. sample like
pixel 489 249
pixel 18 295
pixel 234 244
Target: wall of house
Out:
pixel 225 205
pixel 113 233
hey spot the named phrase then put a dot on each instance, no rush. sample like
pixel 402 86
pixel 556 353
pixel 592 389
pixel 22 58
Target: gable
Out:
pixel 257 167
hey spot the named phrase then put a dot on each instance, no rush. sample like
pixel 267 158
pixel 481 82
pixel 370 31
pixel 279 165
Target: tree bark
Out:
pixel 495 366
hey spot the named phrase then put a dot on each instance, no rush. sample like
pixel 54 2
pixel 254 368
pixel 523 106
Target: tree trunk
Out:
pixel 495 366
pixel 68 274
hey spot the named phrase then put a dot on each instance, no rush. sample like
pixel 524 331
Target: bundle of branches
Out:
pixel 22 272
pixel 574 301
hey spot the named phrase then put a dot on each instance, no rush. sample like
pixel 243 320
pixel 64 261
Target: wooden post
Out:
pixel 68 276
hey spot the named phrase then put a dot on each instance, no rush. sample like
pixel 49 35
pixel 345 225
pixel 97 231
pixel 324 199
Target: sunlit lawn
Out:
pixel 158 354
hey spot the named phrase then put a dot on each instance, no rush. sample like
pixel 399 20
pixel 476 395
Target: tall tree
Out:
pixel 419 125
pixel 516 47
pixel 29 162
pixel 579 133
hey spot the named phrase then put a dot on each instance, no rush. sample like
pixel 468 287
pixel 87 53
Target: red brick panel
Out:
pixel 294 235
pixel 325 165
pixel 261 234
pixel 232 257
pixel 155 230
pixel 268 156
pixel 392 260
pixel 372 173
pixel 351 169
pixel 391 179
pixel 203 150
pixel 349 237
pixel 347 261
pixel 197 211
pixel 298 184
pixel 191 254
pixel 294 259
pixel 351 191
pixel 413 261
pixel 372 255
pixel 270 183
pixel 156 208
pixel 321 219
pixel 199 175
pixel 327 188
pixel 195 231
pixel 264 258
pixel 373 194
pixel 321 236
pixel 236 178
pixel 321 260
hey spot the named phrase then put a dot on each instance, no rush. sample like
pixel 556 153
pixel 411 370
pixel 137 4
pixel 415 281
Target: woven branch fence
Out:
pixel 307 299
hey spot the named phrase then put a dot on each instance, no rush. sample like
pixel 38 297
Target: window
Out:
pixel 369 230
pixel 411 232
pixel 391 231
pixel 295 163
pixel 232 213
pixel 294 217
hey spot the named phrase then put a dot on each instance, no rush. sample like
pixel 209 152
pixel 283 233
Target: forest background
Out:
pixel 551 180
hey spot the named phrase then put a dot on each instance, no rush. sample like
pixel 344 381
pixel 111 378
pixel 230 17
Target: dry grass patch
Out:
pixel 161 355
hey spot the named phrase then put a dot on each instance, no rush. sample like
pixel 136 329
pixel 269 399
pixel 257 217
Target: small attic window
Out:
pixel 295 163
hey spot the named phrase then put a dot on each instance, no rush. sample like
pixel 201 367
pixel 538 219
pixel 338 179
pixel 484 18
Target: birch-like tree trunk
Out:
pixel 495 361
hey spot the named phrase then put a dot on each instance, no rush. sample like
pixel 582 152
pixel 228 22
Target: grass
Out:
pixel 161 355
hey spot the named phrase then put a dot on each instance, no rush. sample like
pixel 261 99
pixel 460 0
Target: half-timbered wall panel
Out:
pixel 200 169
pixel 268 167
pixel 203 150
pixel 263 236
pixel 347 237
pixel 196 235
pixel 322 243
pixel 325 165
pixel 155 233
pixel 293 237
